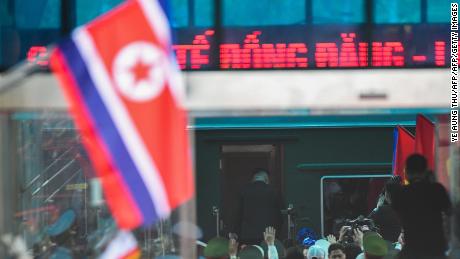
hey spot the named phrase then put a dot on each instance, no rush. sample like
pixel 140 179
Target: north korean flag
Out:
pixel 126 97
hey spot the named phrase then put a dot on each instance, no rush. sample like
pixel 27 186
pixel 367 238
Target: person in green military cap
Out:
pixel 251 252
pixel 217 248
pixel 374 246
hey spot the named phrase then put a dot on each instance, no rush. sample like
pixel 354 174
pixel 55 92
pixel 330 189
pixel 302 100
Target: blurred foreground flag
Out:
pixel 424 139
pixel 125 95
pixel 123 246
pixel 403 147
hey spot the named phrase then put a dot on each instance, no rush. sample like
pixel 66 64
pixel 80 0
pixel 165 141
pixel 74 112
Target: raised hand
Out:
pixel 232 247
pixel 358 236
pixel 331 239
pixel 269 236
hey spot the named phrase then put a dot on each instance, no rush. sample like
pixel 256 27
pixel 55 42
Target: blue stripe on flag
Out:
pixel 108 132
pixel 165 6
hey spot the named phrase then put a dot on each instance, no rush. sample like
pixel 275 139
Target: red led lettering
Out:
pixel 196 49
pixel 280 56
pixel 362 54
pixel 254 54
pixel 327 54
pixel 377 54
pixel 294 48
pixel 419 58
pixel 38 55
pixel 251 46
pixel 383 54
pixel 348 55
pixel 439 53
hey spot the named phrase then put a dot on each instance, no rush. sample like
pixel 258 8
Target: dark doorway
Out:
pixel 238 163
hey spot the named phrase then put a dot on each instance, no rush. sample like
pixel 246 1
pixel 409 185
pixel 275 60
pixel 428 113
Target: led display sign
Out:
pixel 307 47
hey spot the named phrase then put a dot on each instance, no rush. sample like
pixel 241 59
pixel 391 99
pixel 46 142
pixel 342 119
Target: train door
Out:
pixel 237 165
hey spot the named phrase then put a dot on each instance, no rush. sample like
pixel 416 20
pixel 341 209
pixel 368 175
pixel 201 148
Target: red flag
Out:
pixel 403 147
pixel 443 168
pixel 424 139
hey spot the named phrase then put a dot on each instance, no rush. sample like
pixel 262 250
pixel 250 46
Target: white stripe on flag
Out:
pixel 157 20
pixel 123 243
pixel 176 84
pixel 135 146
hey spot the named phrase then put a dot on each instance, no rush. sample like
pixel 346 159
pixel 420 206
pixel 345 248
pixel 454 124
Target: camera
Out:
pixel 361 223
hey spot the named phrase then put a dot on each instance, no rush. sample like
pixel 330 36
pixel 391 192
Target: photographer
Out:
pixel 352 231
pixel 384 216
pixel 421 206
pixel 351 235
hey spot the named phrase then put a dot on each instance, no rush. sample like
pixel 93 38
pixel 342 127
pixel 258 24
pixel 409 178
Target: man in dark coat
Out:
pixel 259 207
pixel 422 206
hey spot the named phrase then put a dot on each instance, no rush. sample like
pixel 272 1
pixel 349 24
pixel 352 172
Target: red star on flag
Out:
pixel 140 71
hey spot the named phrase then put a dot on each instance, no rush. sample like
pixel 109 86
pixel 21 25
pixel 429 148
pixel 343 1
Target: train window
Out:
pixel 347 197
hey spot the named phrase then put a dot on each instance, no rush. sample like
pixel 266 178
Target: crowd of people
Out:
pixel 409 222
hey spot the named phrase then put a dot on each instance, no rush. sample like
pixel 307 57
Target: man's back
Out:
pixel 259 207
pixel 420 206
